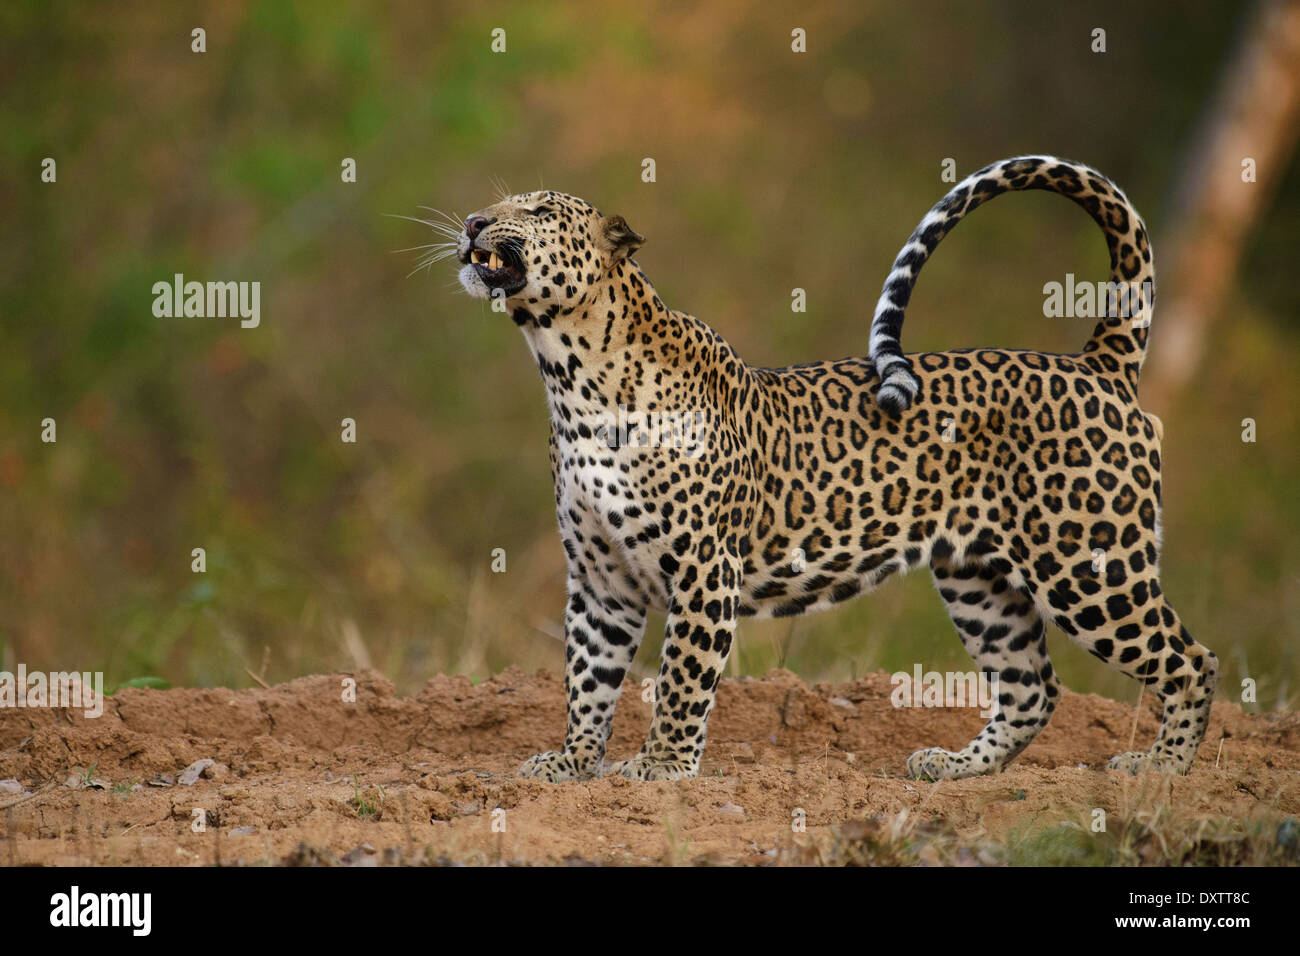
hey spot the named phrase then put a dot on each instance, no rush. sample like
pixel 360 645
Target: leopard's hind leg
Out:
pixel 1004 633
pixel 1131 625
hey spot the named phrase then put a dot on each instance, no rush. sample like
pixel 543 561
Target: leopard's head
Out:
pixel 541 249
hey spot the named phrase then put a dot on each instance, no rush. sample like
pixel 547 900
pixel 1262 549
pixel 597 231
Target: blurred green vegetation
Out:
pixel 775 171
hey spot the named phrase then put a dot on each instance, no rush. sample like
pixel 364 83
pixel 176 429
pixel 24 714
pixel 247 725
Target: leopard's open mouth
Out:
pixel 498 269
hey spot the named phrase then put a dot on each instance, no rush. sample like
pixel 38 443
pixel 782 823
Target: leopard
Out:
pixel 693 484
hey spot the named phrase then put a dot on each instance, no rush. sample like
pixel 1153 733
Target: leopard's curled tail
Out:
pixel 1119 340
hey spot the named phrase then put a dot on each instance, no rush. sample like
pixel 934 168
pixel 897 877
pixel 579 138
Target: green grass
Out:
pixel 367 806
pixel 1159 838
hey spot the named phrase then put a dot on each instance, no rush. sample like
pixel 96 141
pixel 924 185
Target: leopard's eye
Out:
pixel 541 210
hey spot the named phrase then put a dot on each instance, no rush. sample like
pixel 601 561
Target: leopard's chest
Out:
pixel 608 516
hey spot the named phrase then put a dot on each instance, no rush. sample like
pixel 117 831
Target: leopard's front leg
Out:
pixel 697 642
pixel 601 635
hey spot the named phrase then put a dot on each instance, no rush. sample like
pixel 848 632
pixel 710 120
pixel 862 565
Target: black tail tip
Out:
pixel 898 392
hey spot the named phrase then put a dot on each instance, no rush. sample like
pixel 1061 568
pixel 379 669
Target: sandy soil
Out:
pixel 299 776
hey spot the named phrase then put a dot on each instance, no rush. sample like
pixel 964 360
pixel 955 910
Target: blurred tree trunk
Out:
pixel 1255 115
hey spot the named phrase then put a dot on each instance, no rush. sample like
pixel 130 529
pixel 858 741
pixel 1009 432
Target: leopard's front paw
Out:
pixel 938 764
pixel 555 767
pixel 642 767
pixel 1137 761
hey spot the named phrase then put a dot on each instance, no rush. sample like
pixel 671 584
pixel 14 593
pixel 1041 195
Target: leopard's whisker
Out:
pixel 428 245
pixel 436 226
pixel 453 222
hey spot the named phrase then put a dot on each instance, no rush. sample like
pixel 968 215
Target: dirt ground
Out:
pixel 793 774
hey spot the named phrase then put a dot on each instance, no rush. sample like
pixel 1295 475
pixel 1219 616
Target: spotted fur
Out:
pixel 1004 471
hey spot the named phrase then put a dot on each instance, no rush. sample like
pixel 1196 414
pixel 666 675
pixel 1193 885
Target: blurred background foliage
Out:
pixel 775 171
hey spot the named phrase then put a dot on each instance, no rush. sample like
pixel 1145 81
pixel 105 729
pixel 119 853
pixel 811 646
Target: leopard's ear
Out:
pixel 618 238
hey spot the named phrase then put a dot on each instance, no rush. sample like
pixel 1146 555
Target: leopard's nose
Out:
pixel 476 224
